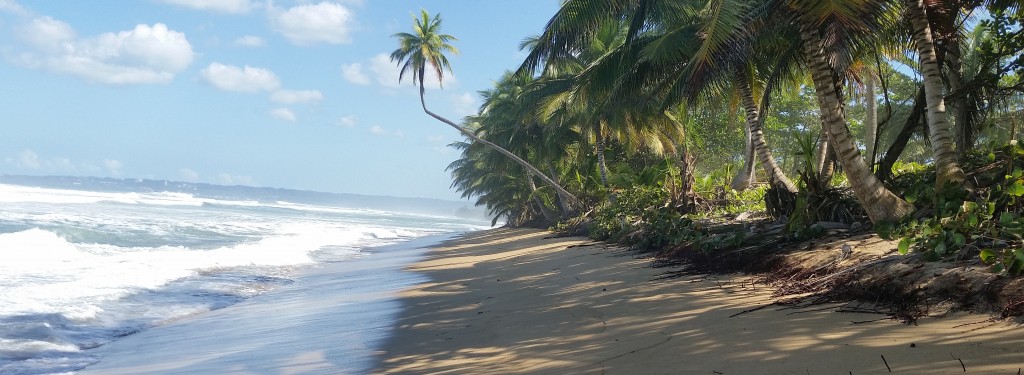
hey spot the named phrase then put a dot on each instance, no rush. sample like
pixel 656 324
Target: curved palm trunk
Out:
pixel 764 155
pixel 880 204
pixel 946 167
pixel 562 193
pixel 745 177
pixel 871 122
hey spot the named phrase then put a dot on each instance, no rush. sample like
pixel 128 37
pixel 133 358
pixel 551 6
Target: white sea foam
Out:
pixel 78 271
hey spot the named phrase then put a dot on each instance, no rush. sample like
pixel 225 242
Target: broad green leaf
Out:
pixel 904 246
pixel 987 255
pixel 959 239
pixel 1016 189
pixel 940 248
pixel 1006 218
pixel 1015 267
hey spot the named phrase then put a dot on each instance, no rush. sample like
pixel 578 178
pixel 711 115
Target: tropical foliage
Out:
pixel 640 120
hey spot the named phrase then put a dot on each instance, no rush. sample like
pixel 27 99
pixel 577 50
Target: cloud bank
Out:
pixel 145 54
pixel 240 79
pixel 307 24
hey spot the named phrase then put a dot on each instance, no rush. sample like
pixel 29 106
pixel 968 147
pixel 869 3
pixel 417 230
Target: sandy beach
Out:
pixel 513 301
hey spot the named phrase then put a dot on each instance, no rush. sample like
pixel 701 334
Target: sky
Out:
pixel 287 93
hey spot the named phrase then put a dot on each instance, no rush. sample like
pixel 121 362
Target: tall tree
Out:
pixel 947 168
pixel 426 47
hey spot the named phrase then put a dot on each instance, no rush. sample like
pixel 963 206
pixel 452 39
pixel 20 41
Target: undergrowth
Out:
pixel 983 220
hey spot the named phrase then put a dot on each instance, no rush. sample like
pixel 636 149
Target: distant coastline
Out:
pixel 424 206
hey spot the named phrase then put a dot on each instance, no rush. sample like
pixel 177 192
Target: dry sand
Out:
pixel 513 301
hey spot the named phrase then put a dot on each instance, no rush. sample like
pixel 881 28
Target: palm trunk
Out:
pixel 960 107
pixel 824 160
pixel 764 154
pixel 562 204
pixel 871 122
pixel 572 201
pixel 946 167
pixel 745 177
pixel 535 195
pixel 602 166
pixel 880 204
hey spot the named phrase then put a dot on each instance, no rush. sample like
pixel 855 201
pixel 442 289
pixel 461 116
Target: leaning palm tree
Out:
pixel 426 46
pixel 946 167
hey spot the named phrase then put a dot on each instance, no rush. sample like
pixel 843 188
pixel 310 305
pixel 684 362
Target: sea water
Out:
pixel 85 262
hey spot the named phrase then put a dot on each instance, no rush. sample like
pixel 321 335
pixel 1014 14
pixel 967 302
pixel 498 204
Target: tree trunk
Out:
pixel 824 161
pixel 946 167
pixel 601 163
pixel 562 204
pixel 535 195
pixel 745 177
pixel 753 122
pixel 948 53
pixel 880 204
pixel 871 121
pixel 914 120
pixel 572 201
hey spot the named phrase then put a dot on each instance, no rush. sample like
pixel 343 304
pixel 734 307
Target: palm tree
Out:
pixel 659 56
pixel 426 46
pixel 946 167
pixel 879 202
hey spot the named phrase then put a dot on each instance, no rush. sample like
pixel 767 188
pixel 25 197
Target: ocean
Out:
pixel 86 261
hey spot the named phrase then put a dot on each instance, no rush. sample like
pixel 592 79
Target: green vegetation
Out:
pixel 694 125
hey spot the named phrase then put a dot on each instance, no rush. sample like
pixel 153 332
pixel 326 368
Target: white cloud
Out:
pixel 188 175
pixel 112 166
pixel 145 54
pixel 31 161
pixel 347 122
pixel 379 131
pixel 250 41
pixel 387 72
pixel 296 96
pixel 12 6
pixel 465 104
pixel 435 138
pixel 27 159
pixel 242 79
pixel 354 73
pixel 283 114
pixel 229 179
pixel 305 24
pixel 223 6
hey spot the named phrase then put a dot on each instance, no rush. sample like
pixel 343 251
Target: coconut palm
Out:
pixel 674 27
pixel 426 47
pixel 946 167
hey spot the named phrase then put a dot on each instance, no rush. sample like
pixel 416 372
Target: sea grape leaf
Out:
pixel 987 255
pixel 959 239
pixel 904 246
pixel 1016 189
pixel 1005 218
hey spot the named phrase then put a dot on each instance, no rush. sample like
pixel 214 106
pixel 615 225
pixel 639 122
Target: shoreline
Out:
pixel 329 321
pixel 512 301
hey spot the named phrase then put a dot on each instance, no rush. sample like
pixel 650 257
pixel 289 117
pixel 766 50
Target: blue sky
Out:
pixel 291 94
